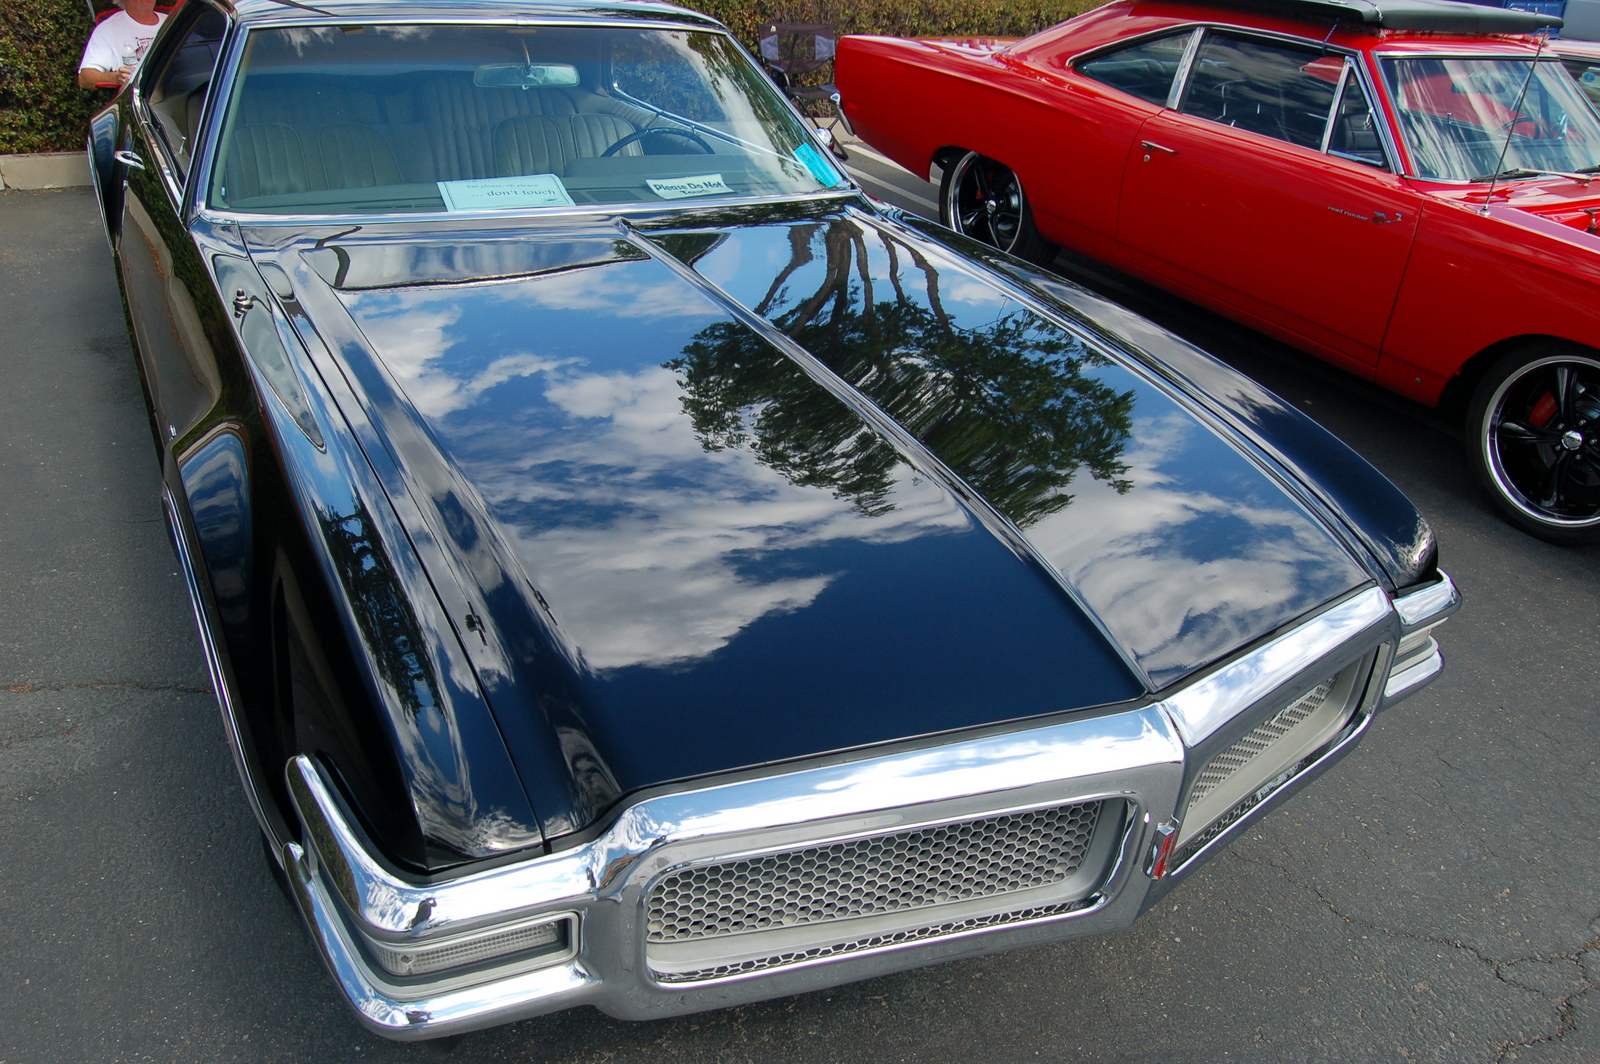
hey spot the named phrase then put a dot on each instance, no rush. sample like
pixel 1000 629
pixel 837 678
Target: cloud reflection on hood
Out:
pixel 643 541
pixel 658 567
pixel 1186 570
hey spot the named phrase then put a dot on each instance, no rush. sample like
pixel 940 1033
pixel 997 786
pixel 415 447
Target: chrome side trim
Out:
pixel 99 194
pixel 1420 610
pixel 1180 78
pixel 216 667
pixel 1412 678
pixel 1430 604
pixel 1203 707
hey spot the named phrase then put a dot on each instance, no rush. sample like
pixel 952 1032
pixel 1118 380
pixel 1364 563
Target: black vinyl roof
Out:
pixel 1442 16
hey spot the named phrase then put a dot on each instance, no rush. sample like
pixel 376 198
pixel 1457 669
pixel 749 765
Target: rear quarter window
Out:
pixel 1146 69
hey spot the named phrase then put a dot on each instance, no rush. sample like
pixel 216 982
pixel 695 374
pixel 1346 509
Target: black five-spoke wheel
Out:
pixel 984 200
pixel 1534 437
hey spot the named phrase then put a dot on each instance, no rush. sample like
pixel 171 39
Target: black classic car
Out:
pixel 638 570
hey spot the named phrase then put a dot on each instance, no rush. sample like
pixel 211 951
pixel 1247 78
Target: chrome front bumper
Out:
pixel 588 902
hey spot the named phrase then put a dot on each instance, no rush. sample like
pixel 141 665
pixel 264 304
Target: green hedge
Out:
pixel 898 18
pixel 42 108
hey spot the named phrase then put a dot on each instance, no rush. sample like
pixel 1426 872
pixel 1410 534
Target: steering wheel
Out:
pixel 663 131
pixel 1539 130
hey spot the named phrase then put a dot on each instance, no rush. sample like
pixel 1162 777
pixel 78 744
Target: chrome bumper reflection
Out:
pixel 585 910
pixel 1418 660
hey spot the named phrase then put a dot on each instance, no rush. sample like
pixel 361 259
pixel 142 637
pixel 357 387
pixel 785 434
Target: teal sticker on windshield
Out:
pixel 505 193
pixel 818 166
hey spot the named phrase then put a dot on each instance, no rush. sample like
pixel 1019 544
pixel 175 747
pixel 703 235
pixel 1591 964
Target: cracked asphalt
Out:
pixel 1432 899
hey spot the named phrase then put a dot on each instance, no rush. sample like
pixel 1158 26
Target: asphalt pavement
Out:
pixel 1433 898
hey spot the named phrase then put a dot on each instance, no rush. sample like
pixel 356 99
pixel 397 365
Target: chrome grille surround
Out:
pixel 874 875
pixel 1136 759
pixel 1276 751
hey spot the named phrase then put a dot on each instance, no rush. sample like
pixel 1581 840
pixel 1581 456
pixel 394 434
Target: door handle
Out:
pixel 128 158
pixel 1151 146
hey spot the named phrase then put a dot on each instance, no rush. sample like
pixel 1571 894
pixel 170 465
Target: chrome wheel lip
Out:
pixel 1488 442
pixel 952 204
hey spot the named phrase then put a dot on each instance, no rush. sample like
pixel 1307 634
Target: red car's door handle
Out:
pixel 1150 146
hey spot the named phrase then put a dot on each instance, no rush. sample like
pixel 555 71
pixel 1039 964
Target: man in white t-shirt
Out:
pixel 118 44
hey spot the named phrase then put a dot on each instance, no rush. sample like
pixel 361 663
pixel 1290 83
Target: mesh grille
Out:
pixel 954 927
pixel 423 960
pixel 865 877
pixel 1265 734
pixel 1234 815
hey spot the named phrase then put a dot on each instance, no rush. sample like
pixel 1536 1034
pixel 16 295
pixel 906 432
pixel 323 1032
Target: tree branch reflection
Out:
pixel 1011 403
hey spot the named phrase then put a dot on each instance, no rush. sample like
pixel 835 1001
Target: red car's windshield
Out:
pixel 1468 119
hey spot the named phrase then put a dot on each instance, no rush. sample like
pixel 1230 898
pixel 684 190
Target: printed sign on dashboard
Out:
pixel 505 193
pixel 684 187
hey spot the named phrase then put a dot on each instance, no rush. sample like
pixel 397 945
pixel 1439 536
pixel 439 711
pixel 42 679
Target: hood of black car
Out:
pixel 773 484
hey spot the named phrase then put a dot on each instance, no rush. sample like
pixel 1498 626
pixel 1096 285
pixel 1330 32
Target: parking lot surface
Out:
pixel 1432 898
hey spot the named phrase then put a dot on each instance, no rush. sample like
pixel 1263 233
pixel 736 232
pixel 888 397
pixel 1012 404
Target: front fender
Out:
pixel 466 797
pixel 1376 517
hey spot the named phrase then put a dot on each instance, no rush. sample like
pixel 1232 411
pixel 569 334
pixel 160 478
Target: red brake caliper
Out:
pixel 1543 410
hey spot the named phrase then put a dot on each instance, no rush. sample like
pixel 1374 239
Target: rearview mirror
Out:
pixel 526 76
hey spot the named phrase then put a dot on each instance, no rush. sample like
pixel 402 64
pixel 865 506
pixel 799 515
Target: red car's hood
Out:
pixel 1541 201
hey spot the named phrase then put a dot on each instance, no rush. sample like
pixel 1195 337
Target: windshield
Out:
pixel 1459 115
pixel 361 119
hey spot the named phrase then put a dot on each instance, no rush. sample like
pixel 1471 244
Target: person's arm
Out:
pixel 101 63
pixel 93 78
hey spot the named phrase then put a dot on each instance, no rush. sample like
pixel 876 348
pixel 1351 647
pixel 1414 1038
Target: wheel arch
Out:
pixel 1456 397
pixel 944 156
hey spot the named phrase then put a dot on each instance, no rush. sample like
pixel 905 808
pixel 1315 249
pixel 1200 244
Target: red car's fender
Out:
pixel 1522 274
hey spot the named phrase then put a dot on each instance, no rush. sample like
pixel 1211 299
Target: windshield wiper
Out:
pixel 1583 177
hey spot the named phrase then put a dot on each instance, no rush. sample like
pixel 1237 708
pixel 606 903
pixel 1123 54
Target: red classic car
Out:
pixel 1403 188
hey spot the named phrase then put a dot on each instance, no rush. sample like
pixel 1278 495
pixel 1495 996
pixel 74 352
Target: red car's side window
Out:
pixel 1145 69
pixel 1266 87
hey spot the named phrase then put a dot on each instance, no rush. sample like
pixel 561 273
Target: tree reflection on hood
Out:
pixel 1010 403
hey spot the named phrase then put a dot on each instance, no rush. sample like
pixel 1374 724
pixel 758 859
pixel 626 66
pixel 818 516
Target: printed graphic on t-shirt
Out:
pixel 118 42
